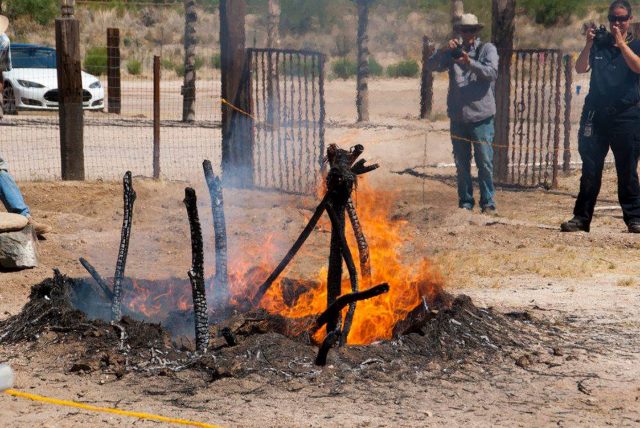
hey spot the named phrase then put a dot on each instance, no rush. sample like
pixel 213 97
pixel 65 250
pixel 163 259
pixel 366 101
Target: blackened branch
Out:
pixel 360 168
pixel 363 246
pixel 351 267
pixel 221 279
pixel 96 276
pixel 196 274
pixel 346 299
pixel 292 252
pixel 327 344
pixel 129 199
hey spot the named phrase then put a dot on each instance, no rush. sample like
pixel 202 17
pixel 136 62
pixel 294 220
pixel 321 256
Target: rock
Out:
pixel 12 222
pixel 524 361
pixel 19 249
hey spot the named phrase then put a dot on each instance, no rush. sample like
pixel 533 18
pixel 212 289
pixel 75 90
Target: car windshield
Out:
pixel 33 57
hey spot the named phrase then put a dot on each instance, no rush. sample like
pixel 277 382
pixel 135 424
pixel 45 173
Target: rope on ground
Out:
pixel 138 415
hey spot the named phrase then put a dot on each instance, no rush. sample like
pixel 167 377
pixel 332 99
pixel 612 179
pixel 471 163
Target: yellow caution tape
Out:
pixel 139 415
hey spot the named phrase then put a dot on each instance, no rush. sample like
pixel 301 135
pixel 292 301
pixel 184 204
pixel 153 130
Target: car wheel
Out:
pixel 9 100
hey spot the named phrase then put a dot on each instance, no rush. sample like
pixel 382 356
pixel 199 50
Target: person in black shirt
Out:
pixel 610 118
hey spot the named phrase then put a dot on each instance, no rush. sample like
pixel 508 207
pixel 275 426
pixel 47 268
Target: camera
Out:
pixel 603 39
pixel 457 52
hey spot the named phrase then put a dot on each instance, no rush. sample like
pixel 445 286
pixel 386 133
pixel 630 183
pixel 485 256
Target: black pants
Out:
pixel 621 132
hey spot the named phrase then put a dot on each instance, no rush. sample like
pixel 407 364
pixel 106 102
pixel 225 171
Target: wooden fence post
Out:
pixel 156 117
pixel 362 84
pixel 237 126
pixel 113 70
pixel 426 87
pixel 568 95
pixel 502 31
pixel 68 65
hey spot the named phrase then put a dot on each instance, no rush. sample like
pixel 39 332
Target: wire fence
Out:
pixel 115 140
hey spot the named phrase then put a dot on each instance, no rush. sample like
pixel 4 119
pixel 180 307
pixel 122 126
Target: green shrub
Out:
pixel 134 67
pixel 551 12
pixel 198 62
pixel 344 68
pixel 407 68
pixel 215 61
pixel 167 64
pixel 180 70
pixel 375 69
pixel 41 11
pixel 95 61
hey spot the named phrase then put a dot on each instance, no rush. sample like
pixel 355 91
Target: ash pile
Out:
pixel 235 337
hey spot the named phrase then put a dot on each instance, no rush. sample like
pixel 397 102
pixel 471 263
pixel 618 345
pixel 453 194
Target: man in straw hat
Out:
pixel 471 106
pixel 5 53
pixel 10 194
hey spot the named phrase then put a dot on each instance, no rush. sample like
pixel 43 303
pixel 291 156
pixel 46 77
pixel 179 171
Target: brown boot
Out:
pixel 40 228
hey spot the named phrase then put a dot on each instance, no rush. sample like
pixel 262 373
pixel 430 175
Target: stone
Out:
pixel 19 249
pixel 12 222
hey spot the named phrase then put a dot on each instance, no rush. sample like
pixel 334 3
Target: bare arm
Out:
pixel 582 63
pixel 632 60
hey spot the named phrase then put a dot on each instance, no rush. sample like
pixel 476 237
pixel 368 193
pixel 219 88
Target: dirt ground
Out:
pixel 585 285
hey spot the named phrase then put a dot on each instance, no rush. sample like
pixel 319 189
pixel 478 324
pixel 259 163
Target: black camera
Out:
pixel 457 52
pixel 603 39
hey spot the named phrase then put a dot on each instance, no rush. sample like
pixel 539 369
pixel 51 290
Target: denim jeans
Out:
pixel 462 137
pixel 10 195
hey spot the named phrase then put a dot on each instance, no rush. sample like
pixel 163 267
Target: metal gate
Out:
pixel 529 147
pixel 288 111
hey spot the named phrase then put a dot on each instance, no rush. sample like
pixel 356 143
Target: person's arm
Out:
pixel 630 57
pixel 582 63
pixel 441 60
pixel 485 67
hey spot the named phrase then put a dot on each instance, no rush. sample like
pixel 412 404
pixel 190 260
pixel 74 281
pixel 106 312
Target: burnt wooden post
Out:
pixel 189 86
pixel 568 95
pixel 362 84
pixel 237 123
pixel 113 71
pixel 502 31
pixel 156 117
pixel 426 86
pixel 68 65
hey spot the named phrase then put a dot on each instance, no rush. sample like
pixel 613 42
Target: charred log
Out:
pixel 221 279
pixel 129 199
pixel 106 291
pixel 292 289
pixel 360 168
pixel 351 267
pixel 345 300
pixel 292 252
pixel 196 274
pixel 363 246
pixel 340 183
pixel 327 344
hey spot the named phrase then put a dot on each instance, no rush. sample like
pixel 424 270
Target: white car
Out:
pixel 32 82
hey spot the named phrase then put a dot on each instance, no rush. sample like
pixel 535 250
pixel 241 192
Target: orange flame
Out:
pixel 374 318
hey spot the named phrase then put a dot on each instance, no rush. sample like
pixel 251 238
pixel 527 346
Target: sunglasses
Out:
pixel 614 18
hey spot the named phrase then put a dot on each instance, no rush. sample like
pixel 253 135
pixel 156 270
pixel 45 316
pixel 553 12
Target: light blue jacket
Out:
pixel 471 95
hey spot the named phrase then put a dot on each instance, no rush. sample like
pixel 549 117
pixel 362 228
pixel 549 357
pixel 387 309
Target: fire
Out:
pixel 409 283
pixel 374 318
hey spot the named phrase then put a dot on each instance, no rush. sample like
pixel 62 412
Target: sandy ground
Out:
pixel 586 284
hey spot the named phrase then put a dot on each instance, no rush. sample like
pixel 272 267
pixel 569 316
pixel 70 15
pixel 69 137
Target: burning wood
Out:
pixel 363 247
pixel 129 199
pixel 104 287
pixel 196 274
pixel 221 279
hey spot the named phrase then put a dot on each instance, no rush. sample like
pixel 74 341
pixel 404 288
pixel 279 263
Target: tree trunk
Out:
pixel 273 24
pixel 502 30
pixel 189 87
pixel 457 10
pixel 362 98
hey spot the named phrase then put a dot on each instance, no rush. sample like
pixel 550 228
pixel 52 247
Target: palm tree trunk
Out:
pixel 362 98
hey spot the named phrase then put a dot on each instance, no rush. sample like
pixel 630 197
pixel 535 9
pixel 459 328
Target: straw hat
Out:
pixel 469 21
pixel 4 23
